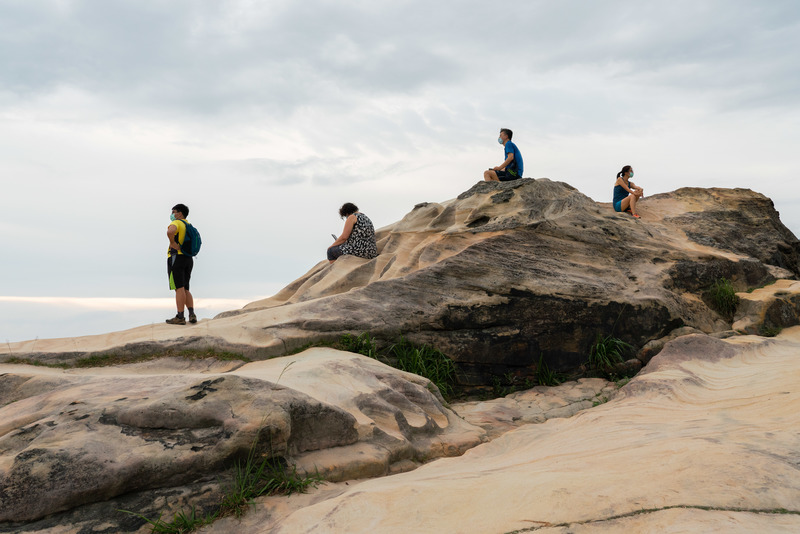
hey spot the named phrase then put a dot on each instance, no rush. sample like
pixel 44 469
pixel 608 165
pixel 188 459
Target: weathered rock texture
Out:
pixel 536 405
pixel 703 440
pixel 769 309
pixel 69 438
pixel 503 275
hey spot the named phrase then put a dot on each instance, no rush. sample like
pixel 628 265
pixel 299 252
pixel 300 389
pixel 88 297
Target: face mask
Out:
pixel 500 140
pixel 171 216
pixel 631 174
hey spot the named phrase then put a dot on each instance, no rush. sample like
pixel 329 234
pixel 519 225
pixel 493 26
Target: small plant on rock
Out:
pixel 426 361
pixel 545 376
pixel 607 351
pixel 722 298
pixel 255 476
pixel 361 344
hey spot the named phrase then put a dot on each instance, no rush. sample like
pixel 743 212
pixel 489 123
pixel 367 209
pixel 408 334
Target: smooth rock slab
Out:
pixel 710 423
pixel 69 438
pixel 536 405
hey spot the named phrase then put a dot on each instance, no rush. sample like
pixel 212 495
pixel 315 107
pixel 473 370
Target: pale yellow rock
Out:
pixel 146 425
pixel 771 307
pixel 715 424
pixel 535 405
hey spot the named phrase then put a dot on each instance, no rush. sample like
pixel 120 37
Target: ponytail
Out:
pixel 626 168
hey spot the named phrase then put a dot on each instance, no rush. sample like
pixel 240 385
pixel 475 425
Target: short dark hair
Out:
pixel 183 208
pixel 508 132
pixel 347 209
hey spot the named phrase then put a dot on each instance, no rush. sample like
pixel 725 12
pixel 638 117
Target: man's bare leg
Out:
pixel 490 176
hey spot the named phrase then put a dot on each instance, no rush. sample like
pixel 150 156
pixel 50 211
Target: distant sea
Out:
pixel 24 318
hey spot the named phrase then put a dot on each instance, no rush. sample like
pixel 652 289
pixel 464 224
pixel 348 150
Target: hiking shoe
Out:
pixel 192 318
pixel 176 320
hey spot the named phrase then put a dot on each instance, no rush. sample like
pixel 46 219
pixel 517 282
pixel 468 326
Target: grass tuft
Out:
pixel 722 298
pixel 607 351
pixel 425 361
pixel 361 344
pixel 545 376
pixel 255 476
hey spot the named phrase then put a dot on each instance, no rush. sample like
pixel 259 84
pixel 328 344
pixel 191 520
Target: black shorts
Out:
pixel 179 270
pixel 505 176
pixel 334 252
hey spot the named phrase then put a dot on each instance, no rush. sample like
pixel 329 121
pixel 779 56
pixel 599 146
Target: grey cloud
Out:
pixel 314 170
pixel 247 61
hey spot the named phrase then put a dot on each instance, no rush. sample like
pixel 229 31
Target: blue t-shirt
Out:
pixel 515 167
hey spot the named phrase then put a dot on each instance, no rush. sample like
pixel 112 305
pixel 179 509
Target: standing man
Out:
pixel 179 265
pixel 511 168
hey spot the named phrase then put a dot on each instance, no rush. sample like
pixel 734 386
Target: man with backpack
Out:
pixel 184 243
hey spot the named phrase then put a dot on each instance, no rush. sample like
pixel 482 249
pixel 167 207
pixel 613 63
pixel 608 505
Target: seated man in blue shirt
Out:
pixel 511 168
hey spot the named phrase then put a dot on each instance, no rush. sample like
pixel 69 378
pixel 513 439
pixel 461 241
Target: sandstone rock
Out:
pixel 536 405
pixel 653 347
pixel 73 437
pixel 503 275
pixel 768 309
pixel 704 441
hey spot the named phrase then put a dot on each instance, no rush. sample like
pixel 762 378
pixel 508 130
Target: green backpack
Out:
pixel 191 241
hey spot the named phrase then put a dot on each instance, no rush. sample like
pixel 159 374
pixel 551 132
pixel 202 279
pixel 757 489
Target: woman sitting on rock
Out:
pixel 626 193
pixel 358 236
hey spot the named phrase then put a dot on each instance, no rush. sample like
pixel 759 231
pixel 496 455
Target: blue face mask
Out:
pixel 500 140
pixel 171 216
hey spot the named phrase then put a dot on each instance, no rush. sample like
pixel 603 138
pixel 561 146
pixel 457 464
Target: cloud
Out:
pixel 265 116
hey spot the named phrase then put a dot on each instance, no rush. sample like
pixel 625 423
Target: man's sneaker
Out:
pixel 176 320
pixel 192 318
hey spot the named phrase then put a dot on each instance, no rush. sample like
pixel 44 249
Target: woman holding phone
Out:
pixel 358 236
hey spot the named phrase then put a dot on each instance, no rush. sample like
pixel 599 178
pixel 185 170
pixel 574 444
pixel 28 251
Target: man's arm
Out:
pixel 506 163
pixel 172 231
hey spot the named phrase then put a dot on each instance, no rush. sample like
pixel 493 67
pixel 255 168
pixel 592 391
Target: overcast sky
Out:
pixel 265 116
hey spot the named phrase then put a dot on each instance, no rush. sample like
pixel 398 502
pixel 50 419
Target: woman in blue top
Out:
pixel 626 193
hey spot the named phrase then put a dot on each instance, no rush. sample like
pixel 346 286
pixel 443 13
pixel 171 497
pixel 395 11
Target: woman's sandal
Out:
pixel 636 216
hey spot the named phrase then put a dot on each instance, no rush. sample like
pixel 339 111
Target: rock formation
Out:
pixel 703 440
pixel 69 438
pixel 503 275
pixel 499 279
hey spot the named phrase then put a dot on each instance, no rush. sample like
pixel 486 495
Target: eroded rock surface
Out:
pixel 767 310
pixel 502 275
pixel 69 438
pixel 704 440
pixel 536 405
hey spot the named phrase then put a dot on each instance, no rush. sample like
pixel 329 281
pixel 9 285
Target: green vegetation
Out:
pixel 767 331
pixel 620 383
pixel 425 361
pixel 607 351
pixel 361 344
pixel 599 401
pixel 722 298
pixel 258 476
pixel 105 360
pixel 545 376
pixel 422 360
pixel 255 476
pixel 181 522
pixel 23 361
